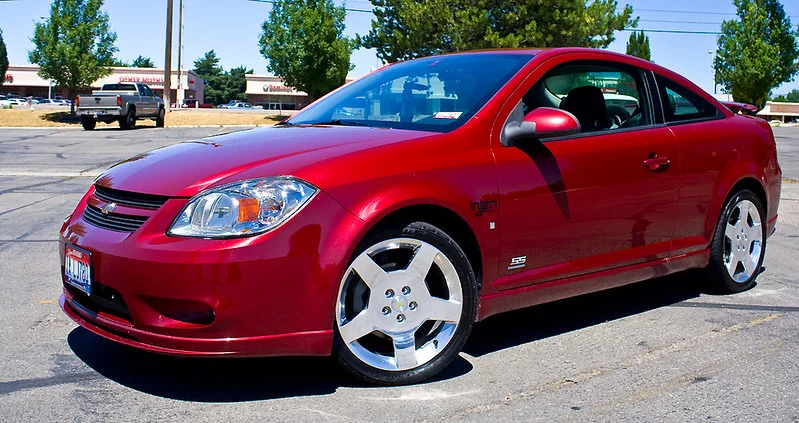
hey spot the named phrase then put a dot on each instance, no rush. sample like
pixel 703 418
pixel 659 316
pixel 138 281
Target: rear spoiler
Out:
pixel 742 108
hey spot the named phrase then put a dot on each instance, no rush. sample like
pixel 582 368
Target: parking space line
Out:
pixel 748 307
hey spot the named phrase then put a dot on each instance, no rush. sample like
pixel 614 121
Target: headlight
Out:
pixel 243 208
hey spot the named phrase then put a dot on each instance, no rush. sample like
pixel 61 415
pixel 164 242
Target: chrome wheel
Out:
pixel 743 241
pixel 399 304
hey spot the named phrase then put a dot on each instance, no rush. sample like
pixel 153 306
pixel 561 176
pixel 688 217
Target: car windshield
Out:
pixel 431 94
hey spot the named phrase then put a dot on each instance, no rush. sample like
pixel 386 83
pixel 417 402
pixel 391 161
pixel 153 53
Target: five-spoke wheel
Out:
pixel 405 306
pixel 739 243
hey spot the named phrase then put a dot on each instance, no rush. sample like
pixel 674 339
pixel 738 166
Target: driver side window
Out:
pixel 603 96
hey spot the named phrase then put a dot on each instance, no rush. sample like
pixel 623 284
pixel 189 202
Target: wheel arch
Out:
pixel 753 185
pixel 452 223
pixel 725 191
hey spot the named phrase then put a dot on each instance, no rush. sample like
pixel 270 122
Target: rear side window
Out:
pixel 682 105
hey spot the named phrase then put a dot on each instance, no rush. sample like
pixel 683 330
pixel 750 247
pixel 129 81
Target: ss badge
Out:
pixel 517 262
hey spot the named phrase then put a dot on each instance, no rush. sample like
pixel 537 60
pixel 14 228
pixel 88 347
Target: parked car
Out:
pixel 53 102
pixel 230 104
pixel 4 102
pixel 241 105
pixel 123 102
pixel 382 221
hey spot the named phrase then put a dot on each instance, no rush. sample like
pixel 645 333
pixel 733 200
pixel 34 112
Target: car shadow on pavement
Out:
pixel 250 379
pixel 219 379
pixel 527 325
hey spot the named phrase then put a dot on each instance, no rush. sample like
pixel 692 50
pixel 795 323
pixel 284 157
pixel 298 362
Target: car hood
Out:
pixel 184 169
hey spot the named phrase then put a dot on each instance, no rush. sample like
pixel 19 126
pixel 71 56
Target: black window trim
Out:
pixel 631 69
pixel 719 114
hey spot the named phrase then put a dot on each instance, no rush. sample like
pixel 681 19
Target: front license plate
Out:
pixel 78 268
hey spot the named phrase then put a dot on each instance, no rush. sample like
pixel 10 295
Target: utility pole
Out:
pixel 168 59
pixel 180 55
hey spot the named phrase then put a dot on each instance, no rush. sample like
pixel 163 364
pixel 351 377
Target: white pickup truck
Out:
pixel 123 102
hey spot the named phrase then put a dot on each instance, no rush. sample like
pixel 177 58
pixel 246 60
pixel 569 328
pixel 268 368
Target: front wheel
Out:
pixel 159 119
pixel 739 244
pixel 406 306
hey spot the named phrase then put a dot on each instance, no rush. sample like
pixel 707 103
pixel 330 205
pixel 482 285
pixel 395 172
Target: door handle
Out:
pixel 655 163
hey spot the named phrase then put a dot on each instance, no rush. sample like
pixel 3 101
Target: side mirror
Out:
pixel 543 122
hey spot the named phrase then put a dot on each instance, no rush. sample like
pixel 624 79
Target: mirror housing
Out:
pixel 543 122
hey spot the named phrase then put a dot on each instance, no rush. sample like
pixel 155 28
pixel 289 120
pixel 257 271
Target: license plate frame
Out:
pixel 78 268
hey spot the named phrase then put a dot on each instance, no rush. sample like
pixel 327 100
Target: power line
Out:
pixel 680 22
pixel 348 9
pixel 690 12
pixel 672 31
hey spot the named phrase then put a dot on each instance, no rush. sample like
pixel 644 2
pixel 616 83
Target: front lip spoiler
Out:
pixel 312 343
pixel 771 226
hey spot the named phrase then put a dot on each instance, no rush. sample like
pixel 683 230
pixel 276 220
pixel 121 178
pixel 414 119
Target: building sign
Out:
pixel 9 78
pixel 272 88
pixel 144 80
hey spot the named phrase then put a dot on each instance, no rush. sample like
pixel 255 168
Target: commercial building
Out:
pixel 25 81
pixel 783 112
pixel 270 92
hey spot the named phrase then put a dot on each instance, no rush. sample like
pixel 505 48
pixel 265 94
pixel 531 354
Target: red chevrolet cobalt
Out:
pixel 384 220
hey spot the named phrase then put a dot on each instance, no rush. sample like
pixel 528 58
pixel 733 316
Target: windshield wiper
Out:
pixel 337 122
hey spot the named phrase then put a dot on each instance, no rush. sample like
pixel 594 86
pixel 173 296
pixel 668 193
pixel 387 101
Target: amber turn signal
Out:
pixel 248 209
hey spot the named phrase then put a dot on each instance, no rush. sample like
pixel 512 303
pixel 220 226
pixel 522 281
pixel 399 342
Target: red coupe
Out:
pixel 384 220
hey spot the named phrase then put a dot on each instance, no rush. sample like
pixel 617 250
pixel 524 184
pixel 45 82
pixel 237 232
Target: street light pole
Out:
pixel 713 67
pixel 179 100
pixel 168 59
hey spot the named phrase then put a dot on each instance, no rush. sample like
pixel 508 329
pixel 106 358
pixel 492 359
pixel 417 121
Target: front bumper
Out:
pixel 272 294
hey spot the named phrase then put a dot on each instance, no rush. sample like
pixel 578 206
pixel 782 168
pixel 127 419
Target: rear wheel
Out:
pixel 88 123
pixel 406 306
pixel 739 244
pixel 129 120
pixel 159 119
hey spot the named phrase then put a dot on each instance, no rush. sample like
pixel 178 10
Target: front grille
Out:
pixel 112 221
pixel 130 199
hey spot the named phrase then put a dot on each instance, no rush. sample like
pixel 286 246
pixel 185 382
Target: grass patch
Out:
pixel 24 117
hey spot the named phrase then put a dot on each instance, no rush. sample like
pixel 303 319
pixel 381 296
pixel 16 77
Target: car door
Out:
pixel 592 201
pixel 152 100
pixel 143 106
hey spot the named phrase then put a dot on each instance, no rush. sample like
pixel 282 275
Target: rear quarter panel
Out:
pixel 715 156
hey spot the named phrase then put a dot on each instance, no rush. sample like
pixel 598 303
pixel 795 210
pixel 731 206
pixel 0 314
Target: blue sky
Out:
pixel 232 29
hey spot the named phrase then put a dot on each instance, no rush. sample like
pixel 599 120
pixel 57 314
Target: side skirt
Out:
pixel 527 296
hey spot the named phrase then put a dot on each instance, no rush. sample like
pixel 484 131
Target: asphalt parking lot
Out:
pixel 655 351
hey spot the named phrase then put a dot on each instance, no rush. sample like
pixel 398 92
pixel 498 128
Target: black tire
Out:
pixel 129 120
pixel 88 123
pixel 429 234
pixel 716 274
pixel 159 119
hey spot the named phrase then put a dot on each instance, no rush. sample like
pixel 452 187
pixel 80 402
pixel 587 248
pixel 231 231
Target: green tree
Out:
pixel 304 43
pixel 406 29
pixel 780 99
pixel 235 83
pixel 3 59
pixel 119 63
pixel 207 67
pixel 638 46
pixel 75 46
pixel 791 97
pixel 142 62
pixel 757 52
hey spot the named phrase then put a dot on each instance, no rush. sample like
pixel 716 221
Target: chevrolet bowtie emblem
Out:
pixel 108 208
